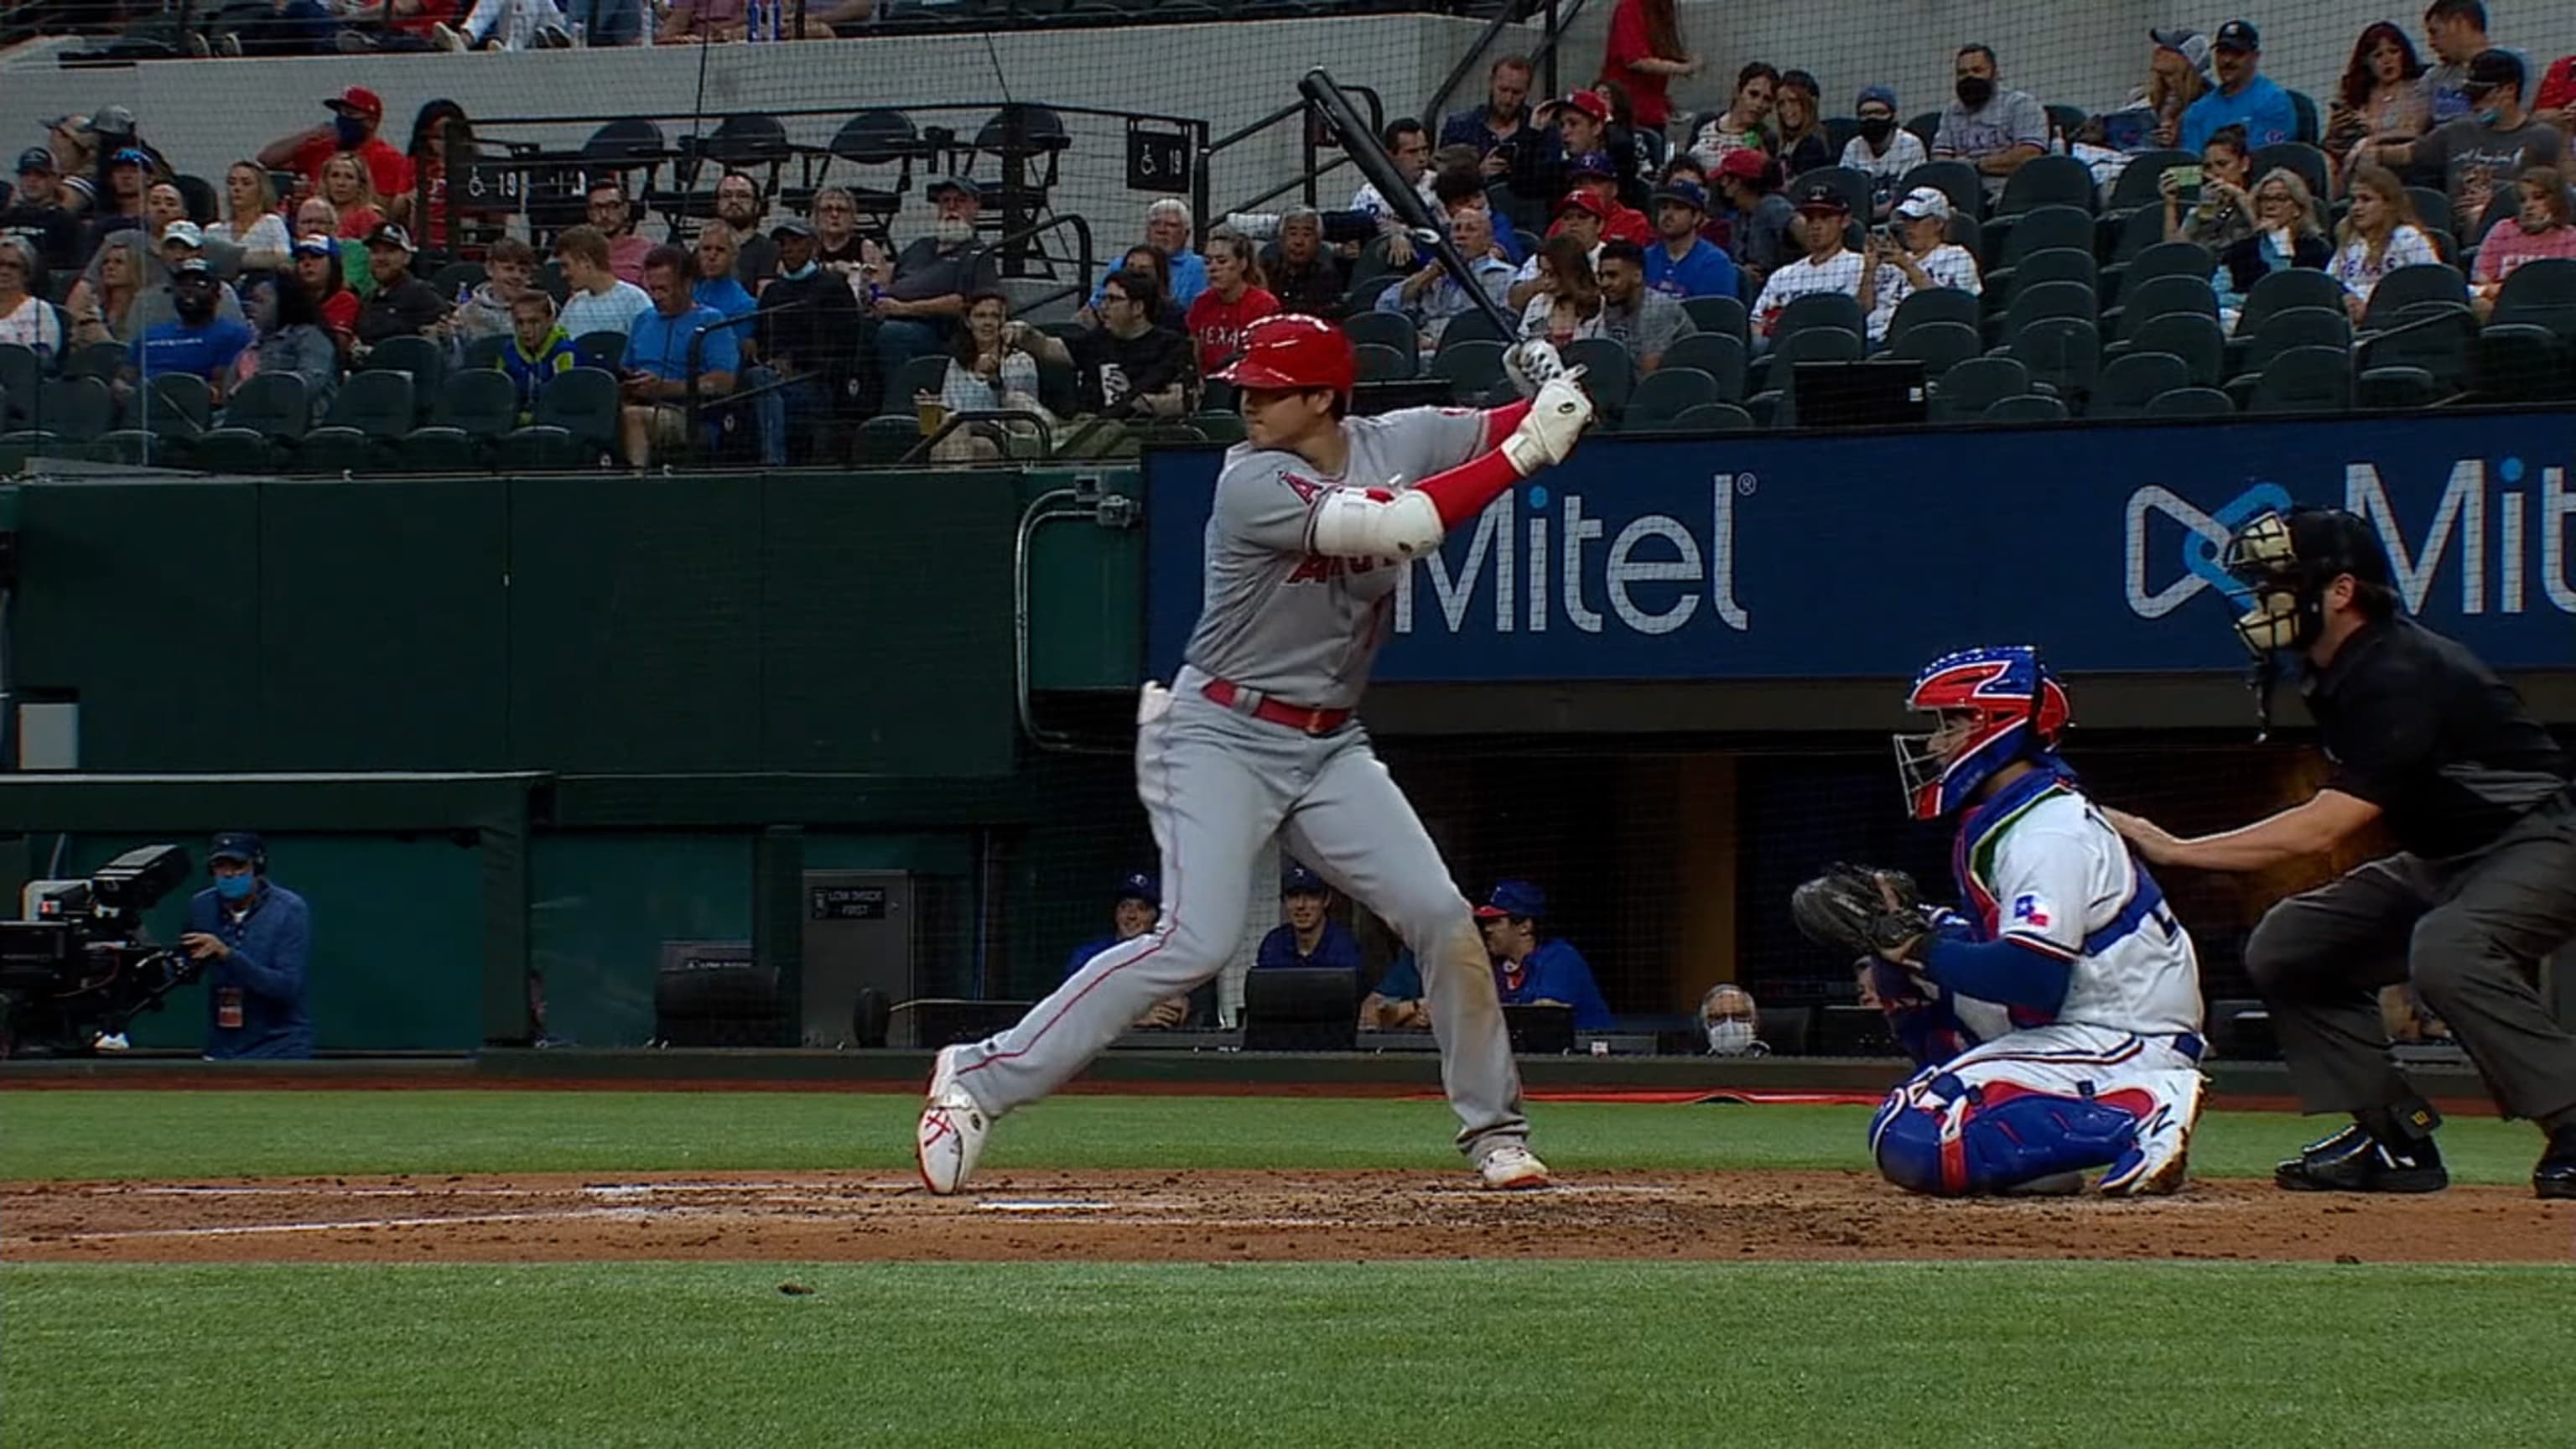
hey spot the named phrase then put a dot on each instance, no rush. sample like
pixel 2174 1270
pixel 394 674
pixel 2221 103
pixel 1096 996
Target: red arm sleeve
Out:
pixel 1462 492
pixel 1500 421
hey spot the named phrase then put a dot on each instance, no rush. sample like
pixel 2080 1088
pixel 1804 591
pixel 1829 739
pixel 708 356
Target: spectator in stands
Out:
pixel 1921 255
pixel 1760 218
pixel 2540 229
pixel 614 215
pixel 165 206
pixel 1500 127
pixel 2285 234
pixel 607 22
pixel 197 340
pixel 120 203
pixel 808 317
pixel 182 241
pixel 1303 274
pixel 1644 53
pixel 509 270
pixel 1732 1023
pixel 2381 97
pixel 352 198
pixel 838 246
pixel 1578 218
pixel 293 340
pixel 1597 176
pixel 508 25
pixel 35 213
pixel 26 320
pixel 1682 263
pixel 1828 266
pixel 1431 297
pixel 251 222
pixel 253 937
pixel 1575 126
pixel 1234 300
pixel 402 305
pixel 1532 972
pixel 1990 126
pixel 286 27
pixel 1462 188
pixel 317 217
pixel 540 350
pixel 437 127
pixel 357 114
pixel 1565 305
pixel 1883 149
pixel 1307 937
pixel 2177 77
pixel 1739 126
pixel 739 205
pixel 2244 97
pixel 394 26
pixel 1407 143
pixel 317 266
pixel 2224 214
pixel 2457 31
pixel 1798 126
pixel 598 301
pixel 2482 153
pixel 676 351
pixel 1139 903
pixel 1396 1002
pixel 73 146
pixel 2556 102
pixel 991 368
pixel 1638 150
pixel 1130 366
pixel 1644 321
pixel 689 22
pixel 2379 235
pixel 1167 230
pixel 934 276
pixel 714 284
pixel 106 309
pixel 1142 258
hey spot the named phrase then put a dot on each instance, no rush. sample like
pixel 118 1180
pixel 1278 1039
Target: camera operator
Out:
pixel 254 937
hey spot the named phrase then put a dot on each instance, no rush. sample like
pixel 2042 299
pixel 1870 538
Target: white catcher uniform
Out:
pixel 2109 1077
pixel 1256 739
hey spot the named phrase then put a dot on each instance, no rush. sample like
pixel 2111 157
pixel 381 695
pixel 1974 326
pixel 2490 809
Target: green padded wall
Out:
pixel 600 907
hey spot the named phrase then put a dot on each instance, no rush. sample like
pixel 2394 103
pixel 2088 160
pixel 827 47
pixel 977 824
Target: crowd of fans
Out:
pixel 1602 214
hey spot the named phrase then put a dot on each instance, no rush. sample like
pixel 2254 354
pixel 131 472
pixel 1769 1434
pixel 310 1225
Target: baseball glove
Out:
pixel 1860 911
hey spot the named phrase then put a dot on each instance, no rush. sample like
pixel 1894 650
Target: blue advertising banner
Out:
pixel 1865 555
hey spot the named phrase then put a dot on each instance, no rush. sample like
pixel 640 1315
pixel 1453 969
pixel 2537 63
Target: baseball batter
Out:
pixel 2076 986
pixel 1316 515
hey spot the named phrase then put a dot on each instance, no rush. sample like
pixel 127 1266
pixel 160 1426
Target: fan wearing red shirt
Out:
pixel 357 114
pixel 1644 54
pixel 1594 176
pixel 1233 301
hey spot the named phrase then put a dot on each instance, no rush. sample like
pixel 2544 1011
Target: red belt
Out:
pixel 1306 719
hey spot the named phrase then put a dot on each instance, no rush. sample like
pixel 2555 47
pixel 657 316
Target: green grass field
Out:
pixel 1161 1354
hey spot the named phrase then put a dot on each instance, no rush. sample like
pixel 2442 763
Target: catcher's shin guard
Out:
pixel 1938 1134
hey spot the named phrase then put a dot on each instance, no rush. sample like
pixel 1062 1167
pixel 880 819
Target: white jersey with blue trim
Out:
pixel 2051 875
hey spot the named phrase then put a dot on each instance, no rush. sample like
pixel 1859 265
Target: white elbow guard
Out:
pixel 1350 524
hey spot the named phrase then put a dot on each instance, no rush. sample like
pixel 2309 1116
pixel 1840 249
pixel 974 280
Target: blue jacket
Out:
pixel 1336 949
pixel 1558 972
pixel 271 942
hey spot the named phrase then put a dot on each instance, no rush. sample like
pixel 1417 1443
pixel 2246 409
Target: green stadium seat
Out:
pixel 234 449
pixel 1610 374
pixel 2049 181
pixel 603 350
pixel 1718 417
pixel 482 404
pixel 1219 427
pixel 583 402
pixel 1719 354
pixel 2520 362
pixel 177 405
pixel 2141 181
pixel 2128 383
pixel 2304 380
pixel 485 353
pixel 1375 362
pixel 1935 304
pixel 75 409
pixel 1819 309
pixel 2388 389
pixel 135 448
pixel 2191 402
pixel 1386 329
pixel 271 404
pixel 1957 180
pixel 2028 408
pixel 2191 336
pixel 338 449
pixel 920 375
pixel 1474 368
pixel 2063 352
pixel 1665 394
pixel 438 449
pixel 1967 390
pixel 2292 287
pixel 102 360
pixel 423 359
pixel 17 447
pixel 22 385
pixel 1725 315
pixel 2009 239
pixel 543 448
pixel 376 403
pixel 2424 284
pixel 1472 326
pixel 883 441
pixel 2437 340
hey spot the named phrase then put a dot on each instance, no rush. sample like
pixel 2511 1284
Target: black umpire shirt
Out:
pixel 2420 727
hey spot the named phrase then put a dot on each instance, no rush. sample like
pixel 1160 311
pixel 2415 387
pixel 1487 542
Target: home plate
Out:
pixel 1044 1207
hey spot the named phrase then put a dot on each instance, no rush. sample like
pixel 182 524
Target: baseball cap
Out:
pixel 1513 898
pixel 389 234
pixel 1589 103
pixel 130 156
pixel 194 267
pixel 1925 201
pixel 1582 201
pixel 1884 95
pixel 359 101
pixel 2237 35
pixel 1592 163
pixel 2191 45
pixel 314 246
pixel 35 160
pixel 240 845
pixel 1140 885
pixel 946 184
pixel 112 121
pixel 1298 880
pixel 1683 193
pixel 792 226
pixel 1744 164
pixel 1822 196
pixel 2491 68
pixel 185 233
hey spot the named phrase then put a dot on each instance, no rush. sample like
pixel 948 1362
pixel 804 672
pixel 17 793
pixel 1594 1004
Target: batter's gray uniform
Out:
pixel 1288 626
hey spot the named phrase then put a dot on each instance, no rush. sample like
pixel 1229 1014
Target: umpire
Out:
pixel 2421 734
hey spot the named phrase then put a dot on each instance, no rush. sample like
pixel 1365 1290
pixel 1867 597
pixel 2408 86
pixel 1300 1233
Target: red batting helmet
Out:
pixel 1293 352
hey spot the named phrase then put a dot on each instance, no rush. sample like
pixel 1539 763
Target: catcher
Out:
pixel 2057 1022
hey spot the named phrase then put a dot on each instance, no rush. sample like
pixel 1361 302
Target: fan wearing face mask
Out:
pixel 357 114
pixel 1882 148
pixel 1733 1023
pixel 1991 127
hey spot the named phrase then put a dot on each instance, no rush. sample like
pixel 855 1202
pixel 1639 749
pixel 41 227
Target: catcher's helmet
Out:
pixel 1996 705
pixel 1293 352
pixel 2289 561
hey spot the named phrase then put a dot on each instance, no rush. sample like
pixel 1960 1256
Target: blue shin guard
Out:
pixel 1951 1139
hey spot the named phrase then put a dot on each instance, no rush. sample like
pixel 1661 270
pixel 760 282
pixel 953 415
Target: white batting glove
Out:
pixel 1557 417
pixel 1530 364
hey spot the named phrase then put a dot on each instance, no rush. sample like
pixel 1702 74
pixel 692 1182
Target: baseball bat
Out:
pixel 1370 155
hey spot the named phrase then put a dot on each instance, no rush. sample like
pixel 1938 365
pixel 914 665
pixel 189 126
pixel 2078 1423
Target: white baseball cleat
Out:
pixel 2161 1162
pixel 951 1134
pixel 1512 1167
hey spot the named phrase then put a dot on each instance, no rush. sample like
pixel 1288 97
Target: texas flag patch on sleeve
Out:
pixel 2030 910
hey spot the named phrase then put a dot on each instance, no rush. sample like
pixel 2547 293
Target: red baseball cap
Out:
pixel 1743 163
pixel 359 101
pixel 1589 103
pixel 1585 202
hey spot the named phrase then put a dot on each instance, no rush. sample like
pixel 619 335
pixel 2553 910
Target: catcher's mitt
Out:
pixel 1859 910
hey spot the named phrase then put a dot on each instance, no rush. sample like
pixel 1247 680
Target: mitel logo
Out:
pixel 1653 578
pixel 2480 530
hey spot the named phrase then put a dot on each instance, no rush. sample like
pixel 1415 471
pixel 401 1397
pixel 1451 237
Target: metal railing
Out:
pixel 1313 139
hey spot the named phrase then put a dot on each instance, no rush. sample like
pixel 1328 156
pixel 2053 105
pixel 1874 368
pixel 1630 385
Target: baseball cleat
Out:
pixel 2161 1161
pixel 951 1134
pixel 1512 1167
pixel 2355 1161
pixel 2556 1174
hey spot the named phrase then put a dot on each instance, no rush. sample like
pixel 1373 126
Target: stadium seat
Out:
pixel 1219 427
pixel 22 387
pixel 2436 339
pixel 2424 284
pixel 484 354
pixel 439 449
pixel 2291 287
pixel 97 359
pixel 2063 352
pixel 1956 180
pixel 1610 374
pixel 2031 305
pixel 603 350
pixel 1720 417
pixel 883 441
pixel 2141 181
pixel 133 448
pixel 75 409
pixel 1474 368
pixel 2008 240
pixel 376 403
pixel 2180 294
pixel 1939 346
pixel 1819 309
pixel 2388 389
pixel 1967 390
pixel 18 446
pixel 234 449
pixel 925 374
pixel 1665 394
pixel 2304 380
pixel 2049 181
pixel 424 360
pixel 2130 382
pixel 2191 402
pixel 583 402
pixel 1934 304
pixel 1718 314
pixel 2303 108
pixel 2134 233
pixel 178 405
pixel 542 448
pixel 481 404
pixel 1719 354
pixel 455 275
pixel 876 138
pixel 2520 362
pixel 2164 259
pixel 1925 125
pixel 1472 325
pixel 1374 362
pixel 2282 331
pixel 2028 408
pixel 272 404
pixel 1386 329
pixel 332 448
pixel 2540 294
pixel 1777 402
pixel 2057 264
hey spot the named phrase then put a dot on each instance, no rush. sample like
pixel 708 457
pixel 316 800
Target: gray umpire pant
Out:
pixel 2469 932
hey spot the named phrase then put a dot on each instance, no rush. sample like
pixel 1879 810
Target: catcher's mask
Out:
pixel 1993 706
pixel 2289 562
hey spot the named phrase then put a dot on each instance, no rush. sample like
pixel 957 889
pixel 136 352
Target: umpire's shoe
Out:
pixel 2354 1160
pixel 2556 1174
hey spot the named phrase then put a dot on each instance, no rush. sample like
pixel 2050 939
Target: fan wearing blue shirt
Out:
pixel 199 341
pixel 660 345
pixel 1307 936
pixel 1682 263
pixel 1532 972
pixel 2244 96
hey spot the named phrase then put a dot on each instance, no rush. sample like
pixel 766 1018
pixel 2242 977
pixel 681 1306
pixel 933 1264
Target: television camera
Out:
pixel 79 967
